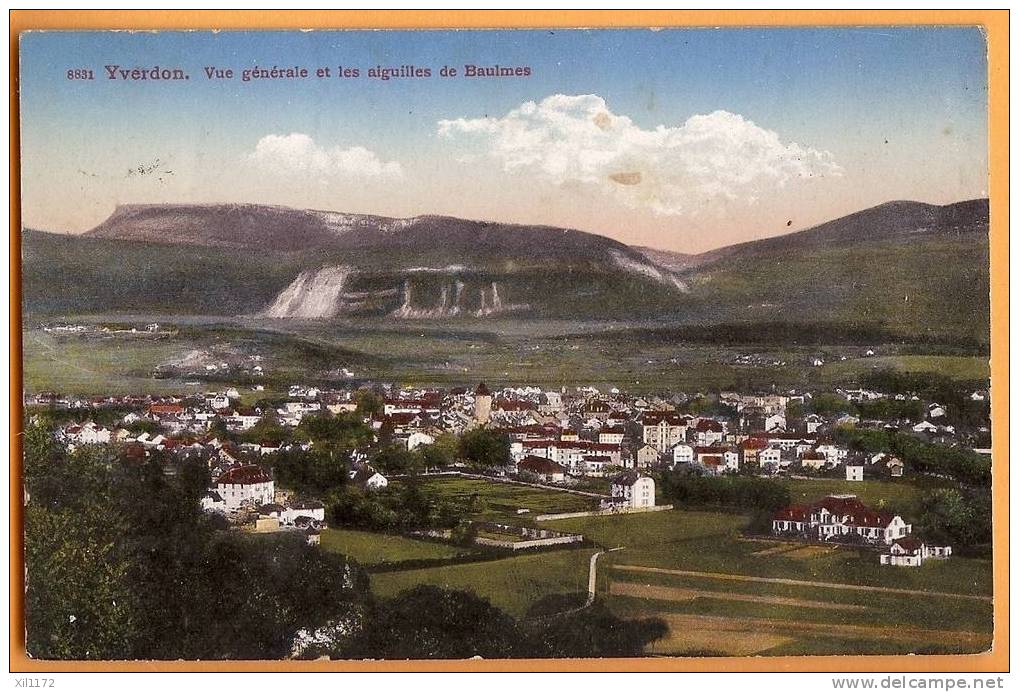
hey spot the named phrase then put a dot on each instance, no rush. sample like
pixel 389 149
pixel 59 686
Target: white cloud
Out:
pixel 298 156
pixel 716 159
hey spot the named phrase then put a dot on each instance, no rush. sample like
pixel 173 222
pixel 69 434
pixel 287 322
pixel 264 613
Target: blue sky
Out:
pixel 822 121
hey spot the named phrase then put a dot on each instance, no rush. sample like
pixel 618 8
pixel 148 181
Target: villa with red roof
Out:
pixel 245 485
pixel 840 518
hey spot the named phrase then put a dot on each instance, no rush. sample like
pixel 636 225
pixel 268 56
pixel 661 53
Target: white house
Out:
pixel 840 516
pixel 813 460
pixel 417 439
pixel 709 432
pixel 770 456
pixel 595 465
pixel 245 485
pixel 834 454
pixel 215 400
pixel 368 478
pixel 663 429
pixel 213 502
pixel 88 434
pixel 611 435
pixel 682 454
pixel 631 489
pixel 717 459
pixel 312 510
pixel 925 426
pixel 647 456
pixel 243 419
pixel 911 552
pixel 854 472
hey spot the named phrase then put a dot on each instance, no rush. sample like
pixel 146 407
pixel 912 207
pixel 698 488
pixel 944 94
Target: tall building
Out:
pixel 482 404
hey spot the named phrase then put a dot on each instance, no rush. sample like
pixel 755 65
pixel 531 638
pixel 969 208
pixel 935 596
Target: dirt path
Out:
pixel 670 593
pixel 687 628
pixel 798 582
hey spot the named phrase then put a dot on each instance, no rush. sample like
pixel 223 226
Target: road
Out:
pixel 592 576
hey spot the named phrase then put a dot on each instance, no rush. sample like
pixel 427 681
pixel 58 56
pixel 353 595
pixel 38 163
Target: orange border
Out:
pixel 994 22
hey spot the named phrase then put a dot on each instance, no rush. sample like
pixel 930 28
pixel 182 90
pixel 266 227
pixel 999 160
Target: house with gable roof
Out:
pixel 840 518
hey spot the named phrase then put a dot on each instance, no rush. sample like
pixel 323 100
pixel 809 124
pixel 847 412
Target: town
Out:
pixel 605 443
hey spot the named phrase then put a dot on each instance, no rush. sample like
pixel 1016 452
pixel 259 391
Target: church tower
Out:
pixel 482 404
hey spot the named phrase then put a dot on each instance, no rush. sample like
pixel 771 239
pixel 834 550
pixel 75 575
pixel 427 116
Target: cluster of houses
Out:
pixel 555 435
pixel 845 519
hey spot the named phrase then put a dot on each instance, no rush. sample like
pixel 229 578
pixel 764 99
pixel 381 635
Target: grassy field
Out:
pixel 552 354
pixel 500 501
pixel 111 366
pixel 956 367
pixel 706 580
pixel 514 584
pixel 376 549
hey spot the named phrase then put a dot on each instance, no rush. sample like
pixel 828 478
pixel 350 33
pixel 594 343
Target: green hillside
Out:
pixel 934 287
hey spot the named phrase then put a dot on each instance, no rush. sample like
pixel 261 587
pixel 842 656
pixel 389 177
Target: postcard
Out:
pixel 646 344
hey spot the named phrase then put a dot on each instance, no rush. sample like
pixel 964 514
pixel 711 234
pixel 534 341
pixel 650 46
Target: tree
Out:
pixel 440 453
pixel 483 448
pixel 429 622
pixel 369 404
pixel 79 601
pixel 396 459
pixel 123 564
pixel 596 632
pixel 950 515
pixel 267 429
pixel 311 472
pixel 735 492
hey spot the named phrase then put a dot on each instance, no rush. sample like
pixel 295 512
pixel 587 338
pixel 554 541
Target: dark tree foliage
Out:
pixel 891 409
pixel 955 516
pixel 123 564
pixel 932 386
pixel 335 435
pixel 596 632
pixel 395 458
pixel 733 492
pixel 428 622
pixel 252 594
pixel 400 507
pixel 268 429
pixel 963 465
pixel 310 471
pixel 369 403
pixel 483 448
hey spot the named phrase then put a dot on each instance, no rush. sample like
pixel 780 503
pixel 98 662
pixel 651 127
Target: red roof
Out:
pixel 669 417
pixel 540 465
pixel 708 424
pixel 793 513
pixel 753 443
pixel 165 409
pixel 244 475
pixel 910 544
pixel 848 509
